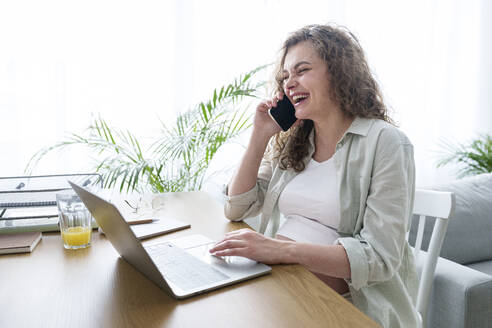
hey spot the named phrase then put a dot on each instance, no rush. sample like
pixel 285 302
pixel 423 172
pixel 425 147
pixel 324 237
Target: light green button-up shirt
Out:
pixel 376 182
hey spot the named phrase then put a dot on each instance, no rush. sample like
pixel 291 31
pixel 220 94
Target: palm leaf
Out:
pixel 179 158
pixel 472 158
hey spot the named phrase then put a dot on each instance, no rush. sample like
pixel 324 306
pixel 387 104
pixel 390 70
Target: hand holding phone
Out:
pixel 284 113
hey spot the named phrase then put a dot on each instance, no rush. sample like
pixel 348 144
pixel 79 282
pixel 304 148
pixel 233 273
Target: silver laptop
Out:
pixel 183 267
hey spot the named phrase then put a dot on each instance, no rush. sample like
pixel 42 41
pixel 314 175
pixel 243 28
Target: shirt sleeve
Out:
pixel 375 254
pixel 249 203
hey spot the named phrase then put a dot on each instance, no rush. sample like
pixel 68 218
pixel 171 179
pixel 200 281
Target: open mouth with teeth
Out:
pixel 299 98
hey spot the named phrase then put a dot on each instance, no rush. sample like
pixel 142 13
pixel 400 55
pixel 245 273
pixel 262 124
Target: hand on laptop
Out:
pixel 252 245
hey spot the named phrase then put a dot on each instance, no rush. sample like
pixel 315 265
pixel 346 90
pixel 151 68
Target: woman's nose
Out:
pixel 290 83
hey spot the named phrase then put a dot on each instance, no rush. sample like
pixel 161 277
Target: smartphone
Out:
pixel 284 113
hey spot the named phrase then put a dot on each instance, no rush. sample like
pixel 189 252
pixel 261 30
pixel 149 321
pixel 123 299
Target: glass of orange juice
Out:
pixel 75 220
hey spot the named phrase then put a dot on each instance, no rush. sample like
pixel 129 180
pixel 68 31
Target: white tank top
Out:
pixel 310 205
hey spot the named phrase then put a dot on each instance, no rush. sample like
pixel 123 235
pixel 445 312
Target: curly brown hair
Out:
pixel 353 87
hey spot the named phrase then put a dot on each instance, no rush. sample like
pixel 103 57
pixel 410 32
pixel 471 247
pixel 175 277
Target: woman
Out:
pixel 343 177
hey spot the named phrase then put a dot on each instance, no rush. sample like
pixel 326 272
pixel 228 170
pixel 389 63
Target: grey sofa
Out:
pixel 462 290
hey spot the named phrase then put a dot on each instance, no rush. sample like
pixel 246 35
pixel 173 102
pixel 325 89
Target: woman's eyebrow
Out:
pixel 297 65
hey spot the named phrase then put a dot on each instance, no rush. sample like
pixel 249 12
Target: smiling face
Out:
pixel 306 82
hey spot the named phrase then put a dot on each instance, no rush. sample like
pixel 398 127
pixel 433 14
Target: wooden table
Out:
pixel 94 287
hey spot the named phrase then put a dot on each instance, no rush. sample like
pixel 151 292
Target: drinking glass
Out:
pixel 75 220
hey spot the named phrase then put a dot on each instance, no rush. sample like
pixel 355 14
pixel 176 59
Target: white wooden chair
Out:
pixel 438 204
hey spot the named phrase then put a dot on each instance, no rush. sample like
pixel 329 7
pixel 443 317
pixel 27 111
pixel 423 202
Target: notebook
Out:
pixel 157 227
pixel 40 190
pixel 28 199
pixel 19 242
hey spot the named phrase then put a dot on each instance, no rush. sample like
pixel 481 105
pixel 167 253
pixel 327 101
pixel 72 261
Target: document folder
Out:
pixel 28 203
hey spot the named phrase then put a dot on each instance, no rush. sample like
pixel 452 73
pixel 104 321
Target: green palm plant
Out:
pixel 473 158
pixel 178 159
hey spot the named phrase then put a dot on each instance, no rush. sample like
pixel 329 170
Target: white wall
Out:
pixel 133 62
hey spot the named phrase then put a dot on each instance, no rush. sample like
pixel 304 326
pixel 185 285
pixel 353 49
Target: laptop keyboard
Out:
pixel 183 269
